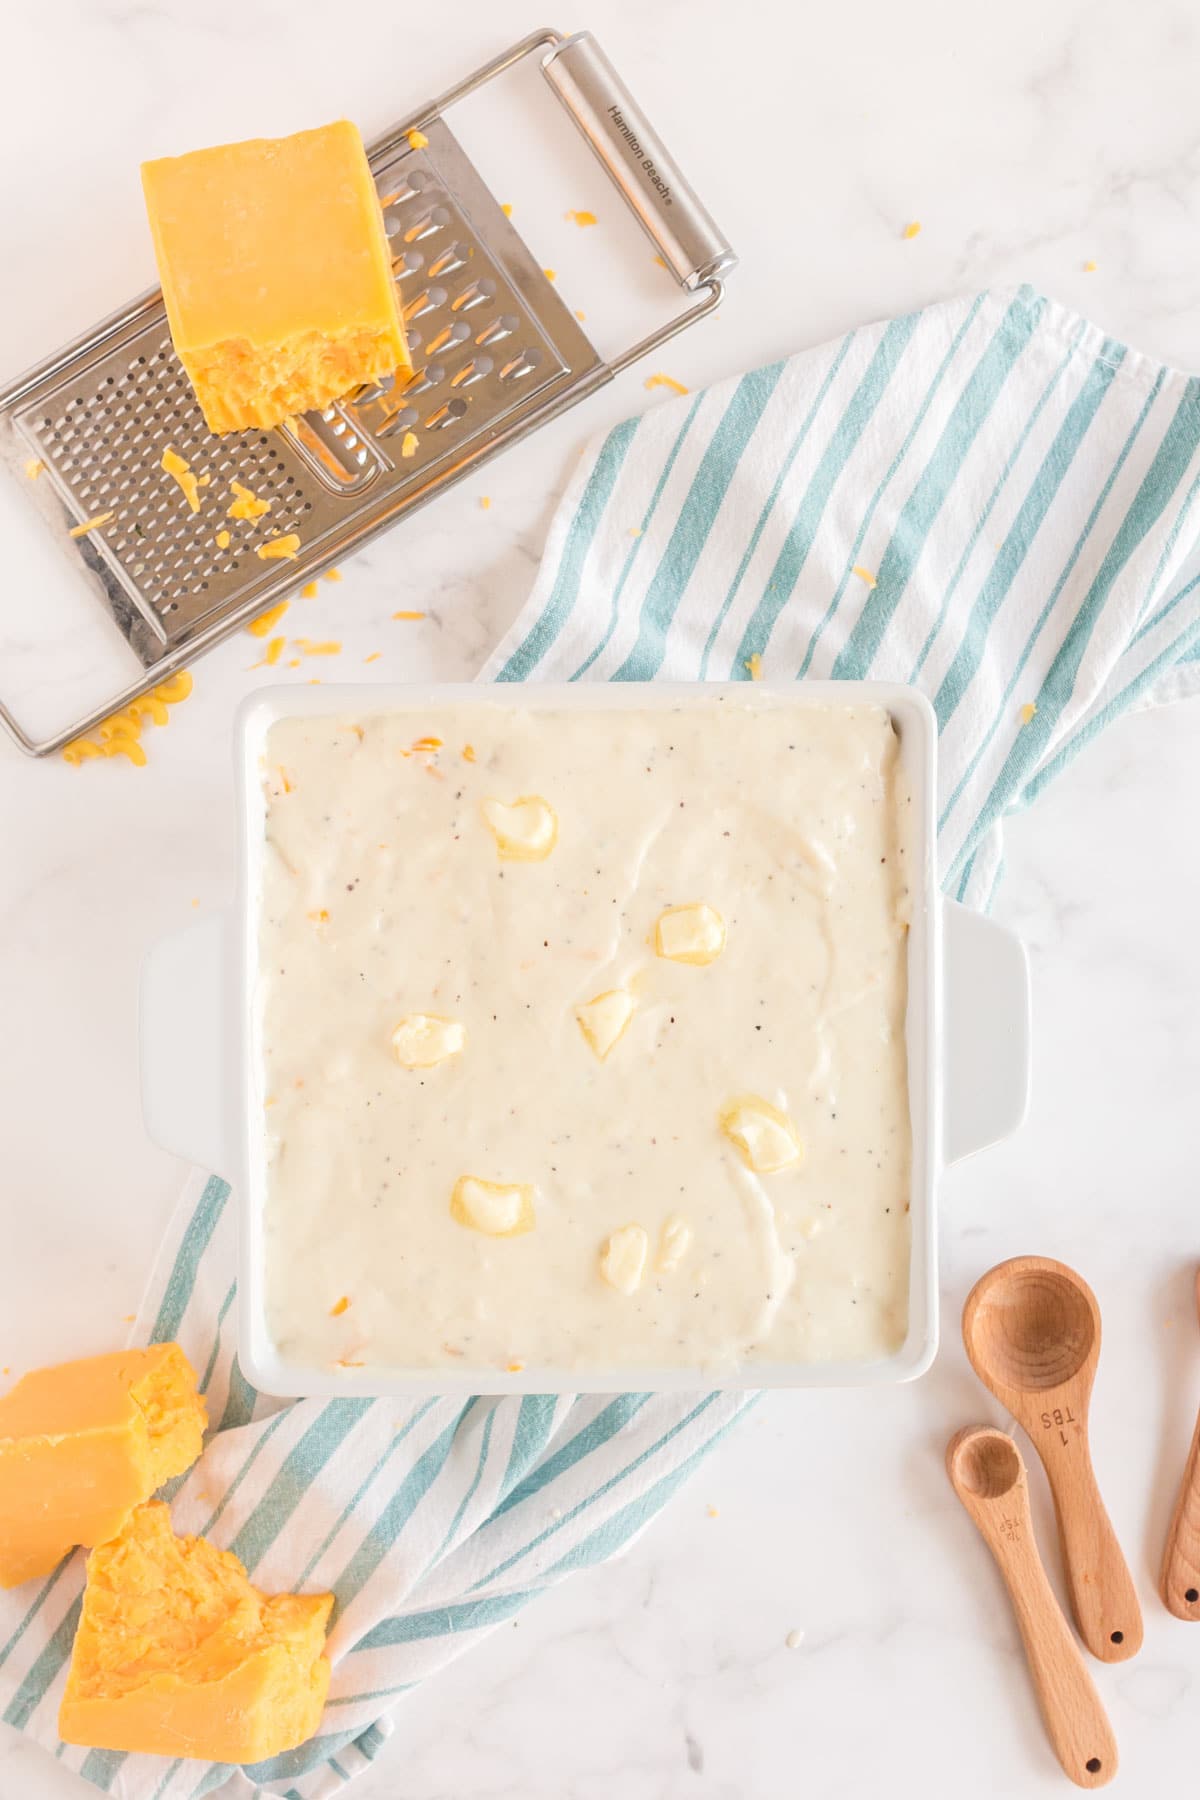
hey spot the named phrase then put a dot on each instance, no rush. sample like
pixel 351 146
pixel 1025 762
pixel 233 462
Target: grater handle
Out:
pixel 635 156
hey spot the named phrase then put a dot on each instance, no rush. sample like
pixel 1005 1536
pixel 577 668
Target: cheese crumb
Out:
pixel 485 501
pixel 623 1259
pixel 468 754
pixel 34 467
pixel 374 656
pixel 690 934
pixel 667 381
pixel 1028 712
pixel 912 229
pixel 580 218
pixel 496 1208
pixel 408 615
pixel 339 1307
pixel 92 523
pixel 603 1020
pixel 765 1138
pixel 246 505
pixel 408 444
pixel 753 666
pixel 271 654
pixel 284 547
pixel 1089 267
pixel 550 274
pixel 223 540
pixel 864 575
pixel 309 591
pixel 421 1040
pixel 180 472
pixel 506 209
pixel 265 622
pixel 311 647
pixel 525 831
pixel 513 1367
pixel 581 316
pixel 417 139
pixel 332 575
pixel 635 531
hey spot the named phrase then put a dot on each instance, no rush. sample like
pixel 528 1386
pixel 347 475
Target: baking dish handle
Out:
pixel 184 1043
pixel 986 1031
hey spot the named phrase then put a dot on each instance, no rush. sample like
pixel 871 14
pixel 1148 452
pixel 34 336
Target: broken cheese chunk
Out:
pixel 496 1208
pixel 623 1259
pixel 603 1020
pixel 690 934
pixel 765 1138
pixel 177 1654
pixel 83 1443
pixel 525 831
pixel 276 273
pixel 422 1039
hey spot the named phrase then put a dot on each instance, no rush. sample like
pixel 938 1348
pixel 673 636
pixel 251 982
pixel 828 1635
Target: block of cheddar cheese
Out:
pixel 83 1443
pixel 178 1654
pixel 276 273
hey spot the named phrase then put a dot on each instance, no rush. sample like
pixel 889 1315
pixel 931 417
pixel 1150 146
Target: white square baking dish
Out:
pixel 967 1039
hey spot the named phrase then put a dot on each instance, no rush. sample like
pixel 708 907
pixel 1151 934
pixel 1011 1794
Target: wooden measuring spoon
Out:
pixel 987 1474
pixel 1032 1331
pixel 1179 1582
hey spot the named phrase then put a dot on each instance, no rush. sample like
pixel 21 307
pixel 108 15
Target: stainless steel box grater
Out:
pixel 495 352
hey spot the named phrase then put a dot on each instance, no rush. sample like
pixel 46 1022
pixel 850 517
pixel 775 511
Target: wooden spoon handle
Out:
pixel 1103 1597
pixel 1075 1718
pixel 1179 1583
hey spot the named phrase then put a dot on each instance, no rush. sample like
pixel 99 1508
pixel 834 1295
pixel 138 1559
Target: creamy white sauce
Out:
pixel 389 902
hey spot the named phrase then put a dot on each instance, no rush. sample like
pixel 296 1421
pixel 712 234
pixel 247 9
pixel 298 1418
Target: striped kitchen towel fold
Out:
pixel 990 499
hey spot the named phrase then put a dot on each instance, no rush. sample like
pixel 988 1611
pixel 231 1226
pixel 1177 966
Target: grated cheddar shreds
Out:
pixel 246 505
pixel 408 615
pixel 271 654
pixel 581 218
pixel 280 549
pixel 485 501
pixel 310 647
pixel 417 139
pixel 309 591
pixel 754 666
pixel 864 575
pixel 668 381
pixel 332 575
pixel 223 539
pixel 180 471
pixel 34 467
pixel 92 524
pixel 1029 712
pixel 339 1306
pixel 506 209
pixel 408 444
pixel 550 274
pixel 912 229
pixel 266 622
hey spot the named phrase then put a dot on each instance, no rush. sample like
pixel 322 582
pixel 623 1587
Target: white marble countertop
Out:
pixel 1028 147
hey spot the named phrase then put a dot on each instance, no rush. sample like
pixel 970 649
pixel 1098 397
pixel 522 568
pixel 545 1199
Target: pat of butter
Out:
pixel 690 934
pixel 178 1655
pixel 525 830
pixel 276 273
pixel 623 1259
pixel 673 1245
pixel 604 1019
pixel 422 1039
pixel 765 1138
pixel 496 1208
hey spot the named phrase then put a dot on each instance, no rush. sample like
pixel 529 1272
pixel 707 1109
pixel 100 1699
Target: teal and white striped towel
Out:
pixel 989 498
